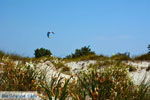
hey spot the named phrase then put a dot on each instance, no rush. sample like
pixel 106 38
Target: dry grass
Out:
pixel 111 83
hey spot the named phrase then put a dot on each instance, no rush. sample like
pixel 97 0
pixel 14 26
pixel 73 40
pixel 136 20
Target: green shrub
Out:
pixel 121 56
pixel 2 53
pixel 148 48
pixel 84 51
pixel 143 57
pixel 42 52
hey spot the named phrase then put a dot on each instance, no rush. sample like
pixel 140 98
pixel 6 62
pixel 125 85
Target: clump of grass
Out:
pixel 121 57
pixel 112 83
pixel 106 63
pixel 13 56
pixel 59 65
pixel 18 78
pixel 132 68
pixel 43 58
pixel 66 70
pixel 62 67
pixel 2 54
pixel 87 57
pixel 143 57
pixel 57 88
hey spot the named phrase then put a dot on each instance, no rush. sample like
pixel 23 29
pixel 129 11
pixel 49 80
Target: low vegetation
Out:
pixel 12 56
pixel 18 78
pixel 143 57
pixel 57 88
pixel 62 67
pixel 108 79
pixel 42 52
pixel 84 51
pixel 111 83
pixel 88 57
pixel 121 56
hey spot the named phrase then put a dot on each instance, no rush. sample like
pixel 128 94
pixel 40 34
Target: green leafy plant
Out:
pixel 84 51
pixel 148 48
pixel 57 88
pixel 42 52
pixel 143 57
pixel 2 54
pixel 121 56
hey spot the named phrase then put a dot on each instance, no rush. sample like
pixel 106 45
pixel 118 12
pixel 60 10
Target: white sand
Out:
pixel 141 73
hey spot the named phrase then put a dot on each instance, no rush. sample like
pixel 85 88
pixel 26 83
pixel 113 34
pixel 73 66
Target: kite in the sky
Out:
pixel 48 34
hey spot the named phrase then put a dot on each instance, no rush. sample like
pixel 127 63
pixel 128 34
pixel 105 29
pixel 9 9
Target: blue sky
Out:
pixel 108 26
